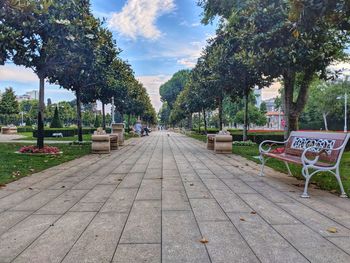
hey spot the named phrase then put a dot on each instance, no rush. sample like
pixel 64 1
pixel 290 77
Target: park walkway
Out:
pixel 156 198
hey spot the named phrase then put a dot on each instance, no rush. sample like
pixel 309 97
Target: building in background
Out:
pixel 30 95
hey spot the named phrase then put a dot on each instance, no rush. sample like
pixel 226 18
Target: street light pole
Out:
pixel 346 113
pixel 113 122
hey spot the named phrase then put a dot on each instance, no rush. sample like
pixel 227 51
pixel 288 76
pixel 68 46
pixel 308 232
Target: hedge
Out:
pixel 66 132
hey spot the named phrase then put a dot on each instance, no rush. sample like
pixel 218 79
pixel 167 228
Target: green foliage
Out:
pixel 56 121
pixel 263 107
pixel 98 121
pixel 8 102
pixel 171 89
pixel 255 116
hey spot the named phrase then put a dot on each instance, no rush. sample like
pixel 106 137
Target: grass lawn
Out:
pixel 29 137
pixel 323 180
pixel 14 166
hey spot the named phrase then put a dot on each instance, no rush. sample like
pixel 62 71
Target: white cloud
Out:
pixel 138 18
pixel 188 63
pixel 13 73
pixel 152 84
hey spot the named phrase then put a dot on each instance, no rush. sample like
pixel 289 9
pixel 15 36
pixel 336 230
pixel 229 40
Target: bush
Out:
pixel 56 122
pixel 25 129
pixel 246 143
pixel 67 132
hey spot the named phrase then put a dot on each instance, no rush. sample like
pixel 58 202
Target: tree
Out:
pixel 97 123
pixel 8 103
pixel 56 121
pixel 172 88
pixel 263 107
pixel 255 116
pixel 283 45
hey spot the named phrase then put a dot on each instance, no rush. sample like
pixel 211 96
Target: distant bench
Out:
pixel 57 135
pixel 315 151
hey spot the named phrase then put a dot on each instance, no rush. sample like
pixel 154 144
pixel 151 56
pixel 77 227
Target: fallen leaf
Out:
pixel 191 184
pixel 63 186
pixel 120 179
pixel 45 161
pixel 332 230
pixel 2 185
pixel 253 212
pixel 30 188
pixel 204 240
pixel 242 219
pixel 32 170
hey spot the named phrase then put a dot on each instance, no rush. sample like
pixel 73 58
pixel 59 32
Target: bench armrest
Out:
pixel 270 144
pixel 306 161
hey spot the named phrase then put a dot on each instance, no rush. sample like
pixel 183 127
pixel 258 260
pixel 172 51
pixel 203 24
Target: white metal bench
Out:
pixel 315 151
pixel 57 135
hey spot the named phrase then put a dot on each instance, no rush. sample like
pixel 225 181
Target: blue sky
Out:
pixel 158 38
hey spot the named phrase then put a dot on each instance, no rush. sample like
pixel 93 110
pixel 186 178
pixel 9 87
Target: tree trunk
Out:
pixel 294 109
pixel 80 128
pixel 129 117
pixel 205 122
pixel 40 138
pixel 103 116
pixel 220 114
pixel 246 110
pixel 189 121
pixel 325 120
pixel 199 122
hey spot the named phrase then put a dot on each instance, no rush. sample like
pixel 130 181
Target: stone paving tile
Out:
pixel 120 200
pixel 10 218
pixel 175 200
pixel 153 173
pixel 99 193
pixel 268 210
pixel 63 203
pixel 147 230
pixel 144 202
pixel 341 242
pixel 137 253
pixel 181 238
pixel 221 237
pixel 99 240
pixel 315 220
pixel 35 202
pixel 86 207
pixel 207 210
pixel 266 243
pixel 114 179
pixel 16 198
pixel 312 245
pixel 54 244
pixel 173 184
pixel 150 189
pixel 230 202
pixel 13 242
pixel 270 193
pixel 196 189
pixel 239 187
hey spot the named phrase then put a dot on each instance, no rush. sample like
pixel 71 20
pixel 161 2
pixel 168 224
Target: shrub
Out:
pixel 67 132
pixel 56 122
pixel 246 143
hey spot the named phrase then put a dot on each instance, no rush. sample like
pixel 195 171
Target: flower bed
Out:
pixel 35 150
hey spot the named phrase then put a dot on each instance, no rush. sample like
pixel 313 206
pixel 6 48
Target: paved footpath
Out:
pixel 156 198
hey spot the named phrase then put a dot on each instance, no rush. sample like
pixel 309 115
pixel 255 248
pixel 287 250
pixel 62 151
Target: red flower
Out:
pixel 34 149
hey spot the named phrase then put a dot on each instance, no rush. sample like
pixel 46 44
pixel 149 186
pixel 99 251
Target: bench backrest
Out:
pixel 299 141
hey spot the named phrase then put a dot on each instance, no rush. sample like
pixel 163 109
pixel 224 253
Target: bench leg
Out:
pixel 307 176
pixel 289 172
pixel 337 175
pixel 263 161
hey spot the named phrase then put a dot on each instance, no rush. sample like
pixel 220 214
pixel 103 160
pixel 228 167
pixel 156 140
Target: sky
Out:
pixel 158 38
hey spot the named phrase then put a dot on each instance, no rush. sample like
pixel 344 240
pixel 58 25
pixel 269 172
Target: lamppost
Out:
pixel 113 111
pixel 345 111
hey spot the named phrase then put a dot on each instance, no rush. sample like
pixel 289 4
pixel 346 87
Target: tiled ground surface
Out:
pixel 156 198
